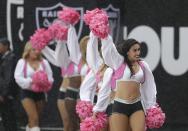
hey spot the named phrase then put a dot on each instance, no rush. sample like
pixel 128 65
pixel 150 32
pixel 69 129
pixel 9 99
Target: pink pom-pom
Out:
pixel 146 128
pixel 69 16
pixel 90 14
pixel 99 25
pixel 101 120
pixel 89 124
pixel 58 31
pixel 40 82
pixel 94 124
pixel 98 22
pixel 40 38
pixel 155 117
pixel 84 109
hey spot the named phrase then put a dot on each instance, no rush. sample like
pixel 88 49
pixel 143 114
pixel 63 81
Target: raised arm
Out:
pixel 50 55
pixel 59 57
pixel 61 54
pixel 73 45
pixel 93 57
pixel 110 54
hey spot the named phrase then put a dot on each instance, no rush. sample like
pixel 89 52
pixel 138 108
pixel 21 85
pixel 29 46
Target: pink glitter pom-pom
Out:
pixel 90 14
pixel 101 120
pixel 89 124
pixel 99 24
pixel 58 31
pixel 40 38
pixel 84 109
pixel 69 16
pixel 94 124
pixel 155 117
pixel 40 82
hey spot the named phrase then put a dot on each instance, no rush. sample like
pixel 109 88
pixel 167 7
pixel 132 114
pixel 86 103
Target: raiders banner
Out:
pixel 12 15
pixel 45 16
pixel 160 25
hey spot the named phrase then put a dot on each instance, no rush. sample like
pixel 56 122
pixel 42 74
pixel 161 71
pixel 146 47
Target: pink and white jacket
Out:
pixel 88 87
pixel 24 72
pixel 114 60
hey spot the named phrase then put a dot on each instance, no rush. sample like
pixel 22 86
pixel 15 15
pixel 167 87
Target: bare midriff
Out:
pixel 74 82
pixel 127 90
pixel 112 95
pixel 65 82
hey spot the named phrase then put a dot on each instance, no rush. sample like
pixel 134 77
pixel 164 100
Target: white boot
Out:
pixel 35 128
pixel 27 128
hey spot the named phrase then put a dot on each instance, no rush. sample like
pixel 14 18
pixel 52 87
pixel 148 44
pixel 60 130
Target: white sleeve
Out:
pixel 93 57
pixel 24 83
pixel 110 54
pixel 148 89
pixel 61 54
pixel 59 57
pixel 48 71
pixel 73 45
pixel 88 87
pixel 49 54
pixel 104 92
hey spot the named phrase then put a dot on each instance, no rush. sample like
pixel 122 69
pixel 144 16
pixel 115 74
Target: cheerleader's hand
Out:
pixel 94 115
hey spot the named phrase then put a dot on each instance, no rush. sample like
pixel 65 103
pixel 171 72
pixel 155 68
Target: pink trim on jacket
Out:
pixel 119 73
pixel 69 71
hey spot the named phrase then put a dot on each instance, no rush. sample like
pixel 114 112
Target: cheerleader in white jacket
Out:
pixel 135 85
pixel 32 101
pixel 71 59
pixel 99 78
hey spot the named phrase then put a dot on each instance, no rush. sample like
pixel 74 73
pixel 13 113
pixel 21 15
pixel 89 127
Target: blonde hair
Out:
pixel 28 47
pixel 83 47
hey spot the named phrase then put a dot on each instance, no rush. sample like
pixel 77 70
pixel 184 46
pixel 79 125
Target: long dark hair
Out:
pixel 123 47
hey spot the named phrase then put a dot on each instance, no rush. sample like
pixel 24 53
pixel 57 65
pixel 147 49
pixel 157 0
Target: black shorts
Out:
pixel 32 95
pixel 109 110
pixel 61 95
pixel 72 94
pixel 68 93
pixel 126 109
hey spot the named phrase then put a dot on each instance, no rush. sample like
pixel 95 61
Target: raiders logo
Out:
pixel 114 21
pixel 46 15
pixel 15 25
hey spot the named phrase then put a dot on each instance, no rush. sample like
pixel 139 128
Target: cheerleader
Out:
pixel 135 85
pixel 32 100
pixel 98 79
pixel 70 58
